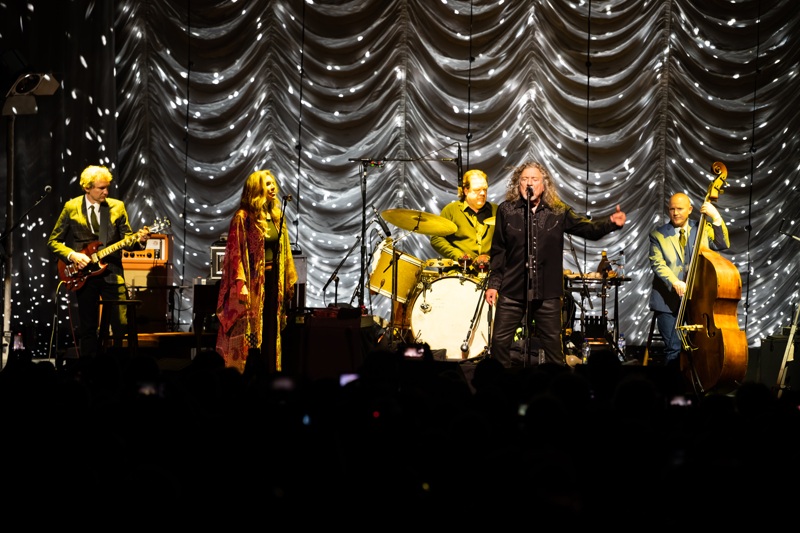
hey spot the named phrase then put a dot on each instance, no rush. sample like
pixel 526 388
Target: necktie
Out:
pixel 96 222
pixel 682 241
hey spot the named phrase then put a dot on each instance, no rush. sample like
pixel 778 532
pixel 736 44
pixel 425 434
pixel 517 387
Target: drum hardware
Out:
pixel 465 345
pixel 439 263
pixel 425 287
pixel 584 290
pixel 601 328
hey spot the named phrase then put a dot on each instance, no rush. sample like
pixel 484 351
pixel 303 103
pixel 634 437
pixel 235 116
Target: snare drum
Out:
pixel 442 312
pixel 381 271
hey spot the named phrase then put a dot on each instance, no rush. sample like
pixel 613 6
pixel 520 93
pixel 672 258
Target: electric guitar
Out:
pixel 74 277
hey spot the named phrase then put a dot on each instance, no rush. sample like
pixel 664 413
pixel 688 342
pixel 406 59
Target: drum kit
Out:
pixel 433 302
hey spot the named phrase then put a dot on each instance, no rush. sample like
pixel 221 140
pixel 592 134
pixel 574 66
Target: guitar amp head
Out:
pixel 156 252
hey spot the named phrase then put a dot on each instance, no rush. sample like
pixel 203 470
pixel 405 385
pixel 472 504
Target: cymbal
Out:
pixel 490 221
pixel 419 222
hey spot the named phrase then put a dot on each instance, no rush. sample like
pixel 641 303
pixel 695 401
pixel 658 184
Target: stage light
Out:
pixel 21 84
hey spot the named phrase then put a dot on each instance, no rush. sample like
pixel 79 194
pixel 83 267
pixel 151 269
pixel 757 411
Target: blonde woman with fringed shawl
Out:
pixel 258 278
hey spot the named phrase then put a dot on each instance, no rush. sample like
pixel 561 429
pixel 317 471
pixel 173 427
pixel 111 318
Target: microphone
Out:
pixel 384 227
pixel 530 193
pixel 47 189
pixel 460 164
pixel 287 198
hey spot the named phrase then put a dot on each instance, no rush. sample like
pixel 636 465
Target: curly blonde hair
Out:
pixel 254 198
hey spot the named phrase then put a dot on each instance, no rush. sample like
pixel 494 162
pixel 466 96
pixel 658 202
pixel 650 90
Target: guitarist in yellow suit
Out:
pixel 90 224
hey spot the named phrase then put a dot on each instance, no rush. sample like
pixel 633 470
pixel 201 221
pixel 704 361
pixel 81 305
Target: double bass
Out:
pixel 714 354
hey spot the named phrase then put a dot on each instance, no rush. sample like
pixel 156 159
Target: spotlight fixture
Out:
pixel 27 83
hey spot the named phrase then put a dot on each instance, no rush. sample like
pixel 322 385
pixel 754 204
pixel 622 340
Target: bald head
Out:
pixel 680 207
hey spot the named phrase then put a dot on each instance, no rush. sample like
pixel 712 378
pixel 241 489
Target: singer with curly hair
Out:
pixel 531 187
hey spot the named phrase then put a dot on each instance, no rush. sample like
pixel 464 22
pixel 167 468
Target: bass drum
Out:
pixel 442 312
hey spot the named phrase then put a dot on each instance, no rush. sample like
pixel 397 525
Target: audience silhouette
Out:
pixel 418 438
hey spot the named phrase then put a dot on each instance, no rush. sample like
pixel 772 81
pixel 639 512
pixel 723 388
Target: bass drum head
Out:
pixel 442 313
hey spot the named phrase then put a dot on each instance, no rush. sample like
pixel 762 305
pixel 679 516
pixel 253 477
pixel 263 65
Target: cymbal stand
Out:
pixel 396 254
pixel 393 264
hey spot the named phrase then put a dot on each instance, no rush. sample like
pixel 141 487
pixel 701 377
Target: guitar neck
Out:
pixel 130 239
pixel 108 250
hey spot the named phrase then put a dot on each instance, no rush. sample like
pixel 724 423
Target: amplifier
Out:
pixel 217 258
pixel 156 252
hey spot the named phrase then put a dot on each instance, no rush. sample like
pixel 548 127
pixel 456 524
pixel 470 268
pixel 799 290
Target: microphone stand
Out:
pixel 6 343
pixel 284 202
pixel 335 275
pixel 365 163
pixel 526 333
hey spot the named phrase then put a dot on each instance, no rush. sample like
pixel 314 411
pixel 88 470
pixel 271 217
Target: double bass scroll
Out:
pixel 715 350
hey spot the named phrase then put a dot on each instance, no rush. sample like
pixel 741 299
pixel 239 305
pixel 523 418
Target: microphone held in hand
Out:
pixel 384 227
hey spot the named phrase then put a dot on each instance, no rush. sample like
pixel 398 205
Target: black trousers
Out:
pixel 262 361
pixel 109 287
pixel 545 317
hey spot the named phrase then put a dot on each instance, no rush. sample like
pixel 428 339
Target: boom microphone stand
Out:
pixel 335 275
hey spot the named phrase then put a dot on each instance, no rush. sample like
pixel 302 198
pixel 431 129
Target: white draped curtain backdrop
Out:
pixel 626 102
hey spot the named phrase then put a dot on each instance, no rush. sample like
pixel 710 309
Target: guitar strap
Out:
pixel 104 219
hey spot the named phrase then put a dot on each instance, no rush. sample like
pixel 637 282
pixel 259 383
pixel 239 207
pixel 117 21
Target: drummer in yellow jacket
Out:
pixel 468 247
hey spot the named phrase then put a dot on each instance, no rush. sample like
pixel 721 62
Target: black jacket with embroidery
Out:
pixel 508 264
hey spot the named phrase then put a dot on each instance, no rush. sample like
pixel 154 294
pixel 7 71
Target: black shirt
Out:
pixel 508 264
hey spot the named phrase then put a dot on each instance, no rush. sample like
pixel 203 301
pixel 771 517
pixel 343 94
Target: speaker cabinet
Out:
pixel 764 364
pixel 152 284
pixel 323 344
